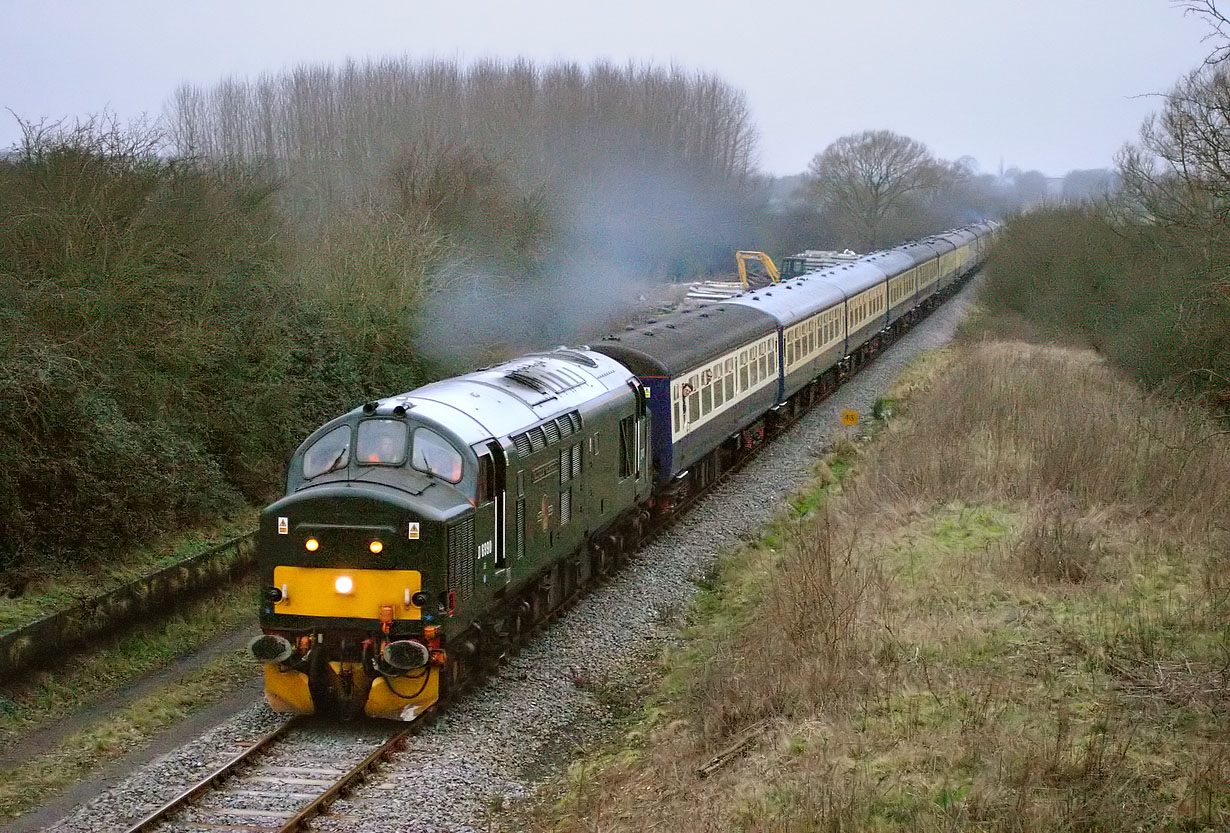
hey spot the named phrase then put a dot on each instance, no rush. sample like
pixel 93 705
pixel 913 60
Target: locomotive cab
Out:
pixel 354 561
pixel 423 532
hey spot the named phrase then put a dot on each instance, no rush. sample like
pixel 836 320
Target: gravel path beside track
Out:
pixel 497 742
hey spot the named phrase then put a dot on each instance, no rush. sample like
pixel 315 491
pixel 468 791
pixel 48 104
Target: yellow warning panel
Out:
pixel 334 591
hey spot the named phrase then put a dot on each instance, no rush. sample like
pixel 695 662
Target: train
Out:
pixel 422 535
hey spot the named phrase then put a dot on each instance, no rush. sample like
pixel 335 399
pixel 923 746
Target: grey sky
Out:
pixel 1047 84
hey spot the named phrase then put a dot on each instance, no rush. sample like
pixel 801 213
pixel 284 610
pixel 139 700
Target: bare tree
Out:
pixel 1220 25
pixel 868 177
pixel 604 144
pixel 1179 173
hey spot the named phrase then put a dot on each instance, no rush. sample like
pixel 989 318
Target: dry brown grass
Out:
pixel 1015 618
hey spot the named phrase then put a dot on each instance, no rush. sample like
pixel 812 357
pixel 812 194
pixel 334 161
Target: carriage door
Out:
pixel 489 516
pixel 642 429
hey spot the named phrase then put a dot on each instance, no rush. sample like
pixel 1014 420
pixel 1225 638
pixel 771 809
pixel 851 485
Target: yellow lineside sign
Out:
pixel 849 417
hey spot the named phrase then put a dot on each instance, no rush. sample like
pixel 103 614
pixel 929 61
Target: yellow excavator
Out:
pixel 709 292
pixel 768 270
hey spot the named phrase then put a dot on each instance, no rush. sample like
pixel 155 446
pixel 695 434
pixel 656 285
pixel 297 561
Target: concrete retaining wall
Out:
pixel 47 639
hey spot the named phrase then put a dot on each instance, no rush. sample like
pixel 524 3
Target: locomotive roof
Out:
pixel 510 397
pixel 671 345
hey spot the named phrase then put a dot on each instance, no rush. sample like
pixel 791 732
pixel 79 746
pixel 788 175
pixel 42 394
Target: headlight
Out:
pixel 311 545
pixel 344 584
pixel 376 547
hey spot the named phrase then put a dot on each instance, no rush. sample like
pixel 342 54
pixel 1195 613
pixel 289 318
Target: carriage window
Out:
pixel 435 455
pixel 382 442
pixel 329 453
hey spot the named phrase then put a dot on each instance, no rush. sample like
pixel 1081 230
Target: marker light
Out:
pixel 311 545
pixel 376 547
pixel 344 584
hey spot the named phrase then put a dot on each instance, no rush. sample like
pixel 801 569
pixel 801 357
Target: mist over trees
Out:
pixel 877 188
pixel 541 198
pixel 502 157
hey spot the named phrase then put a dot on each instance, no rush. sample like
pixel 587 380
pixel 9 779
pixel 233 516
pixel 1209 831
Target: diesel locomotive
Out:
pixel 422 533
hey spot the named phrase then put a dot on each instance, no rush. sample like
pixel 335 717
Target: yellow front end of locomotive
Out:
pixel 349 594
pixel 378 596
pixel 389 698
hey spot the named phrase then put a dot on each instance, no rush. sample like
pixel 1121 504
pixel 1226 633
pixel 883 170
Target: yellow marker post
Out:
pixel 849 419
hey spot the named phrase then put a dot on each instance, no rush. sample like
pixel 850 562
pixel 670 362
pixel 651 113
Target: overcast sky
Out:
pixel 1046 84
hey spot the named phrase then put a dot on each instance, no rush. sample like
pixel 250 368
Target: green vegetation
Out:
pixel 44 699
pixel 157 367
pixel 1145 297
pixel 1004 620
pixel 34 781
pixel 52 591
pixel 1139 276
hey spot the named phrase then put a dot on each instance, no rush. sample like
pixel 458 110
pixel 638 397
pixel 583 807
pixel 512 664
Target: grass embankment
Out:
pixel 62 588
pixel 1012 616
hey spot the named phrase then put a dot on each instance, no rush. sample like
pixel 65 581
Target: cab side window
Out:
pixel 329 453
pixel 486 479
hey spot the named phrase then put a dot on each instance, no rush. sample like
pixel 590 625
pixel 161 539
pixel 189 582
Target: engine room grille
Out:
pixel 461 558
pixel 538 440
pixel 552 431
pixel 565 507
pixel 520 527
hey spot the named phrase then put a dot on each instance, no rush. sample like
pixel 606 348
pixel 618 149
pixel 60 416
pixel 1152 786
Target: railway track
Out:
pixel 280 781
